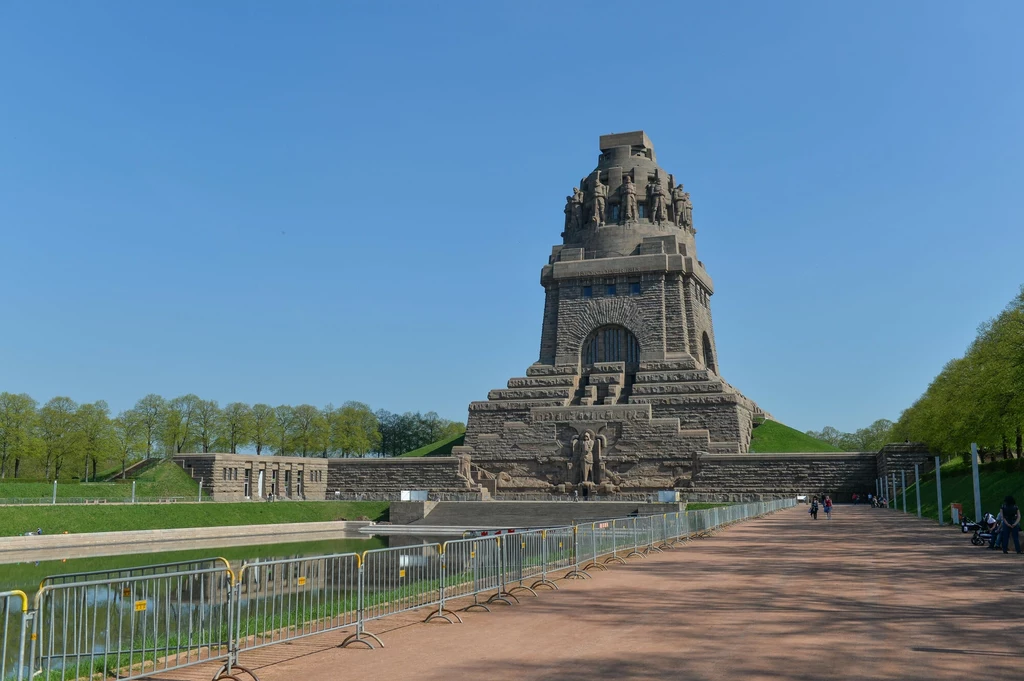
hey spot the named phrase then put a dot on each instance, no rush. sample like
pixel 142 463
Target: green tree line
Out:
pixel 869 439
pixel 978 397
pixel 62 438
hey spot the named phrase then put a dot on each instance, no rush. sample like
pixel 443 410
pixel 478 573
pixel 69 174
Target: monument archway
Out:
pixel 611 343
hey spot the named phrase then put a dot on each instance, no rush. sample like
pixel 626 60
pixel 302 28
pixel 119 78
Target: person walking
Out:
pixel 1011 524
pixel 828 507
pixel 814 508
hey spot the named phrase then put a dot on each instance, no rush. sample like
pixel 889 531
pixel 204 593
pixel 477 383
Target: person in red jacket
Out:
pixel 827 504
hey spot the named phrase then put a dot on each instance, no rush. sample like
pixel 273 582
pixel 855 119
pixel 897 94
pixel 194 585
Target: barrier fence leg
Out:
pixel 26 625
pixel 576 572
pixel 443 614
pixel 502 595
pixel 522 559
pixel 667 540
pixel 475 563
pixel 938 485
pixel 635 551
pixel 544 581
pixel 903 484
pixel 615 546
pixel 651 548
pixel 232 666
pixel 360 635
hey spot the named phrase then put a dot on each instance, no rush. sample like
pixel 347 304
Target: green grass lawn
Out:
pixel 26 576
pixel 162 480
pixel 996 481
pixel 56 519
pixel 775 438
pixel 439 448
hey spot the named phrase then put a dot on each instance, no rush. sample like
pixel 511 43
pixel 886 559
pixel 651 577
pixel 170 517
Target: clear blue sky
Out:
pixel 323 201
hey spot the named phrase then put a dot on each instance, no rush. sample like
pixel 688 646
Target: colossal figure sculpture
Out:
pixel 679 199
pixel 628 206
pixel 626 392
pixel 574 212
pixel 583 448
pixel 687 211
pixel 656 201
pixel 598 207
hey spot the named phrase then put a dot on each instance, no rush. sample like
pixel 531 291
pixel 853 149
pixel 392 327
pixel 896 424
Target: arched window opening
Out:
pixel 709 355
pixel 611 344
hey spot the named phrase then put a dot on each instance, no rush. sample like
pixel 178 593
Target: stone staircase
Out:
pixel 673 381
pixel 606 383
pixel 543 386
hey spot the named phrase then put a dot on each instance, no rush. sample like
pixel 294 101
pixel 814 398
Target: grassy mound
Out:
pixel 56 519
pixel 439 448
pixel 772 437
pixel 165 479
pixel 996 481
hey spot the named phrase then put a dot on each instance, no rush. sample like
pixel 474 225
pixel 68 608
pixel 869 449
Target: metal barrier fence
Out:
pixel 138 571
pixel 16 622
pixel 132 627
pixel 59 501
pixel 132 623
pixel 282 600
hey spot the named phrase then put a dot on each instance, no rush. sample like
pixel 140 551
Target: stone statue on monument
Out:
pixel 679 198
pixel 600 200
pixel 584 449
pixel 465 467
pixel 628 210
pixel 570 226
pixel 688 213
pixel 574 212
pixel 656 201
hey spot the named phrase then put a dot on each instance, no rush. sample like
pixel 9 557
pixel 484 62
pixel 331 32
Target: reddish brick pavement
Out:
pixel 869 595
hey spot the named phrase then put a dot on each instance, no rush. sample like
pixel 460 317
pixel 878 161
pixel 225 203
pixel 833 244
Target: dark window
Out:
pixel 640 212
pixel 634 288
pixel 588 292
pixel 610 289
pixel 611 344
pixel 709 355
pixel 615 213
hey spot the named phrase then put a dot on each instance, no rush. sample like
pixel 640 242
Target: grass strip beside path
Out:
pixel 16 520
pixel 996 480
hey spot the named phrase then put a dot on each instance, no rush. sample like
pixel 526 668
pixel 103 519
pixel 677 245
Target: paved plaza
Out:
pixel 871 594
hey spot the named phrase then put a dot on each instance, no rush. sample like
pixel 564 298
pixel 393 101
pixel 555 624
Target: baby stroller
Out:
pixel 982 532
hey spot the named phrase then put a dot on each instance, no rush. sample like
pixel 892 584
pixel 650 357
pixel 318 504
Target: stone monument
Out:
pixel 626 395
